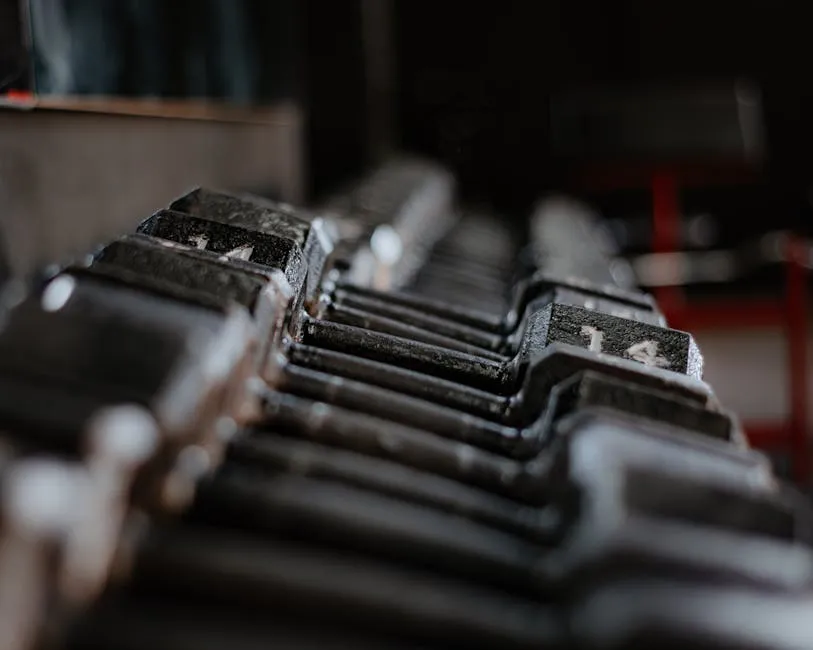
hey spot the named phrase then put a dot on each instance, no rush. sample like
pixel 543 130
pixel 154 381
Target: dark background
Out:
pixel 476 77
pixel 472 80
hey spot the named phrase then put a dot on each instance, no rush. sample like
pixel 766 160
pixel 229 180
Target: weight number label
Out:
pixel 240 253
pixel 243 252
pixel 595 337
pixel 646 352
pixel 200 241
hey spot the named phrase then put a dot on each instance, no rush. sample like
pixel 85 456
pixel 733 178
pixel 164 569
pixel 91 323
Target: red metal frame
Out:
pixel 797 358
pixel 790 313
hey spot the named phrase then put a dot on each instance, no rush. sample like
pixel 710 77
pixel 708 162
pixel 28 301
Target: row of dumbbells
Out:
pixel 382 424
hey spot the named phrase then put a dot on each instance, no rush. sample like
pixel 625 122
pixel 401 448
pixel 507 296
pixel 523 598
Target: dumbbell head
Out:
pixel 591 390
pixel 394 215
pixel 230 242
pixel 664 613
pixel 651 500
pixel 590 299
pixel 649 345
pixel 199 278
pixel 569 239
pixel 311 233
pixel 606 303
pixel 85 345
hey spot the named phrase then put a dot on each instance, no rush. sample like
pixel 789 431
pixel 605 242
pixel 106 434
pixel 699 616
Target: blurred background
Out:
pixel 686 124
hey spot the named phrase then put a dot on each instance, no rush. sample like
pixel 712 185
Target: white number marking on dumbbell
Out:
pixel 595 336
pixel 646 352
pixel 240 253
pixel 200 241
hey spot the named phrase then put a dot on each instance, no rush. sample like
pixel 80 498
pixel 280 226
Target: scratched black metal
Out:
pixel 476 371
pixel 81 347
pixel 647 344
pixel 268 250
pixel 251 213
pixel 220 281
pixel 606 305
pixel 378 437
pixel 410 315
pixel 592 389
pixel 465 398
pixel 394 405
pixel 557 362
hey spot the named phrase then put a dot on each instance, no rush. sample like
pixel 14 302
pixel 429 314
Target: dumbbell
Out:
pixel 118 246
pixel 279 582
pixel 446 456
pixel 472 265
pixel 563 549
pixel 190 276
pixel 87 343
pixel 391 219
pixel 562 234
pixel 480 330
pixel 565 241
pixel 489 374
pixel 434 414
pixel 642 613
pixel 646 506
pixel 275 490
pixel 315 510
pixel 296 231
pixel 301 486
pixel 724 426
pixel 203 203
pixel 652 612
pixel 555 322
pixel 142 390
pixel 420 471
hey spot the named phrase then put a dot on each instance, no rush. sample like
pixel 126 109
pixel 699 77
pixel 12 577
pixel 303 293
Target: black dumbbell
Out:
pixel 134 621
pixel 275 500
pixel 391 219
pixel 645 612
pixel 234 571
pixel 517 414
pixel 554 323
pixel 462 366
pixel 373 373
pixel 648 508
pixel 563 233
pixel 310 233
pixel 522 479
pixel 226 209
pixel 86 344
pixel 190 276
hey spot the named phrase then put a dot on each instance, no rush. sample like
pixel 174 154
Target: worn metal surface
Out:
pixel 392 484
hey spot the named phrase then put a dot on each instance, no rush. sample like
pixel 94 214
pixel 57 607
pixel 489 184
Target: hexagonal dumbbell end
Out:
pixel 230 242
pixel 594 390
pixel 653 501
pixel 649 345
pixel 311 233
pixel 198 277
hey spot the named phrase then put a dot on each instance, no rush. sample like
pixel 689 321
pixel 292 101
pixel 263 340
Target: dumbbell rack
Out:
pixel 336 451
